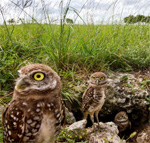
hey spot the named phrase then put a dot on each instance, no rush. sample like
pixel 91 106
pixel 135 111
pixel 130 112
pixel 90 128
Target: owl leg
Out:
pixel 92 119
pixel 96 115
pixel 85 116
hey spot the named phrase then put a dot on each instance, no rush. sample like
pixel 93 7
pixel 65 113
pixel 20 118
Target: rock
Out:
pixel 69 116
pixel 126 92
pixel 108 133
pixel 78 125
pixel 129 93
pixel 144 135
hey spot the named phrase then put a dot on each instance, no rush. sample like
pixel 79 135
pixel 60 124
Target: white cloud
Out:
pixel 90 10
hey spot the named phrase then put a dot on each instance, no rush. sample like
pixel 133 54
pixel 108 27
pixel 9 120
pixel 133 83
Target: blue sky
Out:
pixel 90 11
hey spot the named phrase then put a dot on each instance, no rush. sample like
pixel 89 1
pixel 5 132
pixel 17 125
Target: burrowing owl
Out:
pixel 94 96
pixel 122 121
pixel 35 113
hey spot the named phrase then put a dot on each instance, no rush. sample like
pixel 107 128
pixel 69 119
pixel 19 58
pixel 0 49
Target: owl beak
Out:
pixel 97 81
pixel 21 84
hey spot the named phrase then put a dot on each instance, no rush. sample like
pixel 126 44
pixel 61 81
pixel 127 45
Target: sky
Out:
pixel 80 11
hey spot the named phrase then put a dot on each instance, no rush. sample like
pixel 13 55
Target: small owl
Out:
pixel 35 112
pixel 122 121
pixel 94 97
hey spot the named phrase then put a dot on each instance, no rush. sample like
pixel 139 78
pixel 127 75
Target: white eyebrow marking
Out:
pixel 19 72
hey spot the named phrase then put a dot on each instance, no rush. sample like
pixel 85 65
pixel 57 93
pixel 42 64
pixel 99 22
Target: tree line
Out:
pixel 135 19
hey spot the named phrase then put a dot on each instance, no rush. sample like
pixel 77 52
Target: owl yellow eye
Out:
pixel 93 78
pixel 102 78
pixel 38 76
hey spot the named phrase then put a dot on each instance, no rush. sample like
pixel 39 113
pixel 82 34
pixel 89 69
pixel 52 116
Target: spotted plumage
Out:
pixel 94 97
pixel 35 113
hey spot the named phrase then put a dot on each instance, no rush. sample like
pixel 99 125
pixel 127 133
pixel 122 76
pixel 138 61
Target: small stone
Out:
pixel 78 125
pixel 121 100
pixel 108 132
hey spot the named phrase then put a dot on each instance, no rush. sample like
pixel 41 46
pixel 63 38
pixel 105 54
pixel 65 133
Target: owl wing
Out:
pixel 87 98
pixel 13 123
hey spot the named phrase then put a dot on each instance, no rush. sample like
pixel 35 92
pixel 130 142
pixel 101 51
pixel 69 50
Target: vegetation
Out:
pixel 11 21
pixel 73 136
pixel 69 21
pixel 76 48
pixel 88 47
pixel 135 19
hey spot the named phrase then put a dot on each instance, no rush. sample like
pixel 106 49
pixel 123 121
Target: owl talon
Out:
pixel 99 127
pixel 94 128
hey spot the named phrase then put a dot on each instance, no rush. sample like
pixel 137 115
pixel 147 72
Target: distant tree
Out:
pixel 147 19
pixel 11 21
pixel 134 19
pixel 140 18
pixel 69 21
pixel 129 19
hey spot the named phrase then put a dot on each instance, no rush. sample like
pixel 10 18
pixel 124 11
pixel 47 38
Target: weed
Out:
pixel 148 101
pixel 131 135
pixel 145 83
pixel 124 78
pixel 72 136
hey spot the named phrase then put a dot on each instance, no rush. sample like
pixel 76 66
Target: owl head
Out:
pixel 98 78
pixel 36 78
pixel 121 117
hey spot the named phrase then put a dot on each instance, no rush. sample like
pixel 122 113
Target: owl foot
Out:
pixel 99 126
pixel 94 128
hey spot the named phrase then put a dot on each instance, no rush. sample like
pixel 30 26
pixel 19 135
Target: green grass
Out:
pixel 76 47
